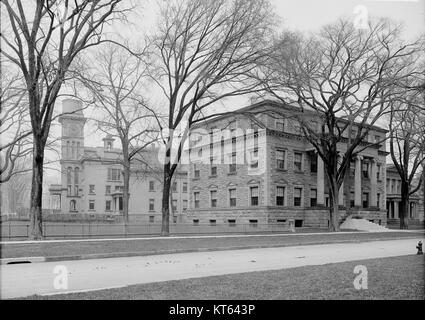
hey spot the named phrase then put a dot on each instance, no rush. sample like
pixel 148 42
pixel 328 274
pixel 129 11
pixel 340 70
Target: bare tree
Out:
pixel 15 192
pixel 117 85
pixel 205 52
pixel 407 144
pixel 43 39
pixel 345 77
pixel 14 129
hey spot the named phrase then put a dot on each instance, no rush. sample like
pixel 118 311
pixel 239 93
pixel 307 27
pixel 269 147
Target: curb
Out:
pixel 24 260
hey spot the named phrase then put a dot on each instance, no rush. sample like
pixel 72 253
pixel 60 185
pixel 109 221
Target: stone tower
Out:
pixel 72 147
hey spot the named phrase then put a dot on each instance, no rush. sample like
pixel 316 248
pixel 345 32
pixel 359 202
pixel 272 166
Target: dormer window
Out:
pixel 109 145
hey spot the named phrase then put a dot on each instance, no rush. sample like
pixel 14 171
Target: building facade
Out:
pixel 92 181
pixel 416 207
pixel 262 170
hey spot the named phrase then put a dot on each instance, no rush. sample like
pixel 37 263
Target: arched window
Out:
pixel 73 205
pixel 69 176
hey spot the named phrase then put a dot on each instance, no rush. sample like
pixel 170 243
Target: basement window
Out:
pixel 298 223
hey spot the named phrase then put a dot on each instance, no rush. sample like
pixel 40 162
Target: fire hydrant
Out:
pixel 419 247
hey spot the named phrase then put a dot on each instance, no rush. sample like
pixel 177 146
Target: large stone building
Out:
pixel 262 170
pixel 92 181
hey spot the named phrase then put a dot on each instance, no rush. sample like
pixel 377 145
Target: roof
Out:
pixel 267 103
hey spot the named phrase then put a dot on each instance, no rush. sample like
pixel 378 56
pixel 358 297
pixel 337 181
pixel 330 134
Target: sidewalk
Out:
pixel 60 250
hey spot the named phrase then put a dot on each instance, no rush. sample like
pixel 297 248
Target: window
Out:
pixel 297 197
pixel 365 169
pixel 298 158
pixel 114 174
pixel 298 223
pixel 69 190
pixel 119 188
pixel 313 197
pixel 280 196
pixel 68 154
pixel 232 222
pixel 151 219
pixel 213 167
pixel 108 205
pixel 197 172
pixel 151 204
pixel 196 222
pixel 76 176
pixel 174 204
pixel 254 159
pixel 253 223
pixel 184 187
pixel 314 126
pixel 184 205
pixel 108 190
pixel 91 205
pixel 73 205
pixel 365 200
pixel 196 199
pixel 352 168
pixel 78 149
pixel 213 198
pixel 73 149
pixel 232 197
pixel 313 163
pixel 232 165
pixel 151 185
pixel 76 191
pixel 174 188
pixel 109 145
pixel 378 199
pixel 254 196
pixel 200 153
pixel 377 139
pixel 213 222
pixel 69 176
pixel 351 199
pixel 280 159
pixel 378 172
pixel 280 125
pixel 91 188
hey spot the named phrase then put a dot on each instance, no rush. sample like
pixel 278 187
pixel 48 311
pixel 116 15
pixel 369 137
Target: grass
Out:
pixel 155 246
pixel 396 278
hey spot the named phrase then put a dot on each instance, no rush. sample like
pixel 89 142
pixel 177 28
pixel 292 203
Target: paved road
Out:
pixel 85 275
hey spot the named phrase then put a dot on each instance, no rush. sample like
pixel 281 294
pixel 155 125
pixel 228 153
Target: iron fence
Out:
pixel 20 231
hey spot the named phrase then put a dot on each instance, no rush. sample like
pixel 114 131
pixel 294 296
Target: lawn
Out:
pixel 395 278
pixel 69 250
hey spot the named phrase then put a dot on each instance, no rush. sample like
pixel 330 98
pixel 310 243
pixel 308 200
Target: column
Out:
pixel 320 182
pixel 358 182
pixel 373 184
pixel 396 213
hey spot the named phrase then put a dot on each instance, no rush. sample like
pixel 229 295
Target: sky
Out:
pixel 300 15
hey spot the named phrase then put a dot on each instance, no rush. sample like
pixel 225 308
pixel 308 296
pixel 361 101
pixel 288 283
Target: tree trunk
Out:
pixel 404 206
pixel 126 193
pixel 36 223
pixel 165 228
pixel 334 209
